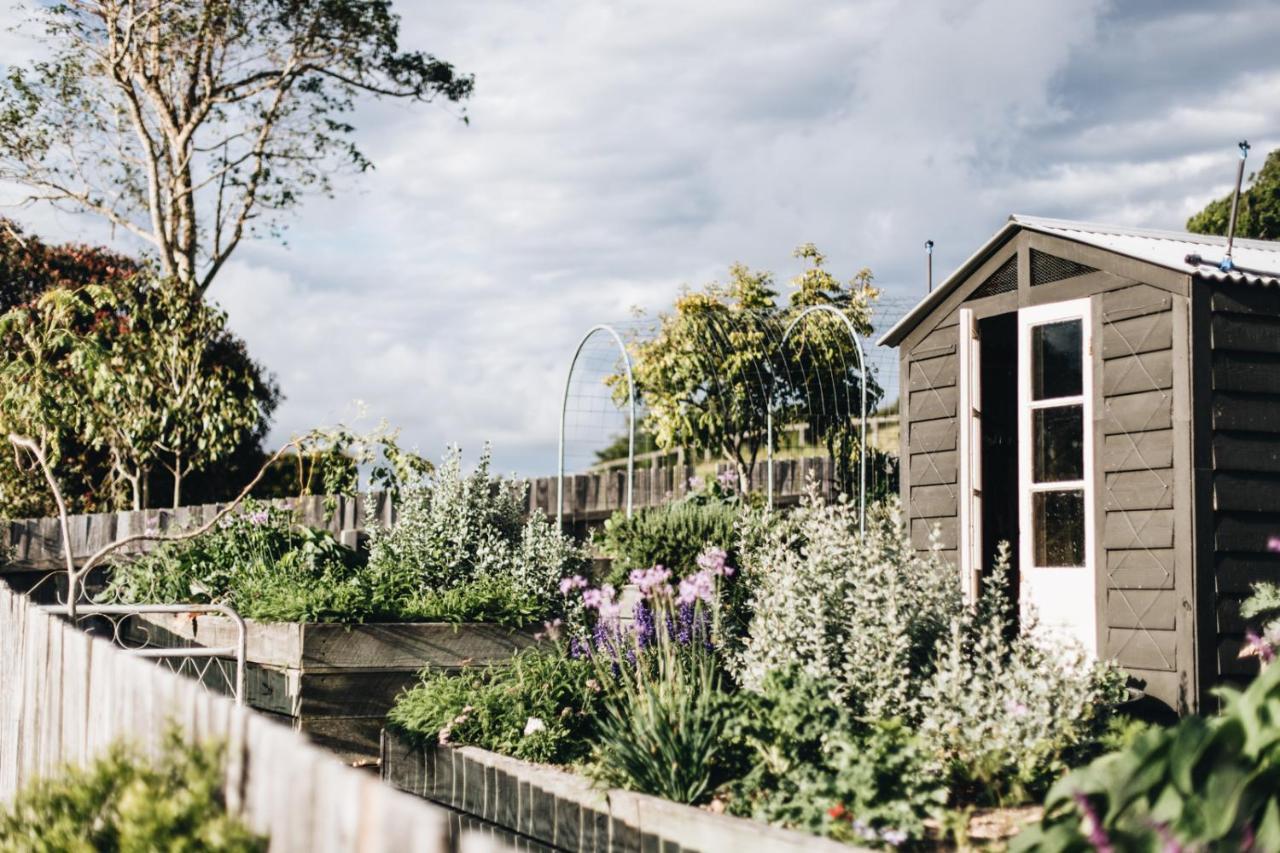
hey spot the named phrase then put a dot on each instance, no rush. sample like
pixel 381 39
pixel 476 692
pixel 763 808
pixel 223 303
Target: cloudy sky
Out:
pixel 617 150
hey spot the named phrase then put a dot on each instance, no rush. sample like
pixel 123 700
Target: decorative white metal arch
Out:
pixel 631 419
pixel 862 441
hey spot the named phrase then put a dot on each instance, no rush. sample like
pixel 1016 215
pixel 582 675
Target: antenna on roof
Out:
pixel 1226 264
pixel 928 251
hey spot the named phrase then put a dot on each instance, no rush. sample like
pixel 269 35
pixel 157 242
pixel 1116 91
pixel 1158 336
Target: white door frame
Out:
pixel 1069 590
pixel 968 377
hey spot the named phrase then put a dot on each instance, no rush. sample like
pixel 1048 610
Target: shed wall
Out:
pixel 1242 431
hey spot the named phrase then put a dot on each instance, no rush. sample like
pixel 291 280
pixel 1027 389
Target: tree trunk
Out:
pixel 177 480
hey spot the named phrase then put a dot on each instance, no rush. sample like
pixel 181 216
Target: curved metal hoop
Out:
pixel 862 441
pixel 631 420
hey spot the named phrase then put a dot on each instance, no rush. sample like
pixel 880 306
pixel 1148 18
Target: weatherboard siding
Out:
pixel 1243 436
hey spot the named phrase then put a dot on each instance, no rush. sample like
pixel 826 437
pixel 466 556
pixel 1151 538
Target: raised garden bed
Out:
pixel 566 812
pixel 336 682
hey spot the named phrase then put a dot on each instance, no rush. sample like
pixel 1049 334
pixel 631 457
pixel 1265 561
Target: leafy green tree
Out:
pixel 132 370
pixel 194 123
pixel 1259 214
pixel 715 365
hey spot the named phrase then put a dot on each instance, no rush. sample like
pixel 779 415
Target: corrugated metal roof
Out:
pixel 1259 260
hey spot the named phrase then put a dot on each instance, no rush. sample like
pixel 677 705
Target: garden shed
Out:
pixel 1107 400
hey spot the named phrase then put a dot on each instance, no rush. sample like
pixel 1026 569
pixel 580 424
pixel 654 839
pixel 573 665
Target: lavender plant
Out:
pixel 661 723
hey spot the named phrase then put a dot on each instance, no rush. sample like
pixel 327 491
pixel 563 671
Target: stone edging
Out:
pixel 567 812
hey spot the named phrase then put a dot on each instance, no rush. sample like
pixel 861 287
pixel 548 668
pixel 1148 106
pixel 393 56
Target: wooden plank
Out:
pixel 1152 609
pixel 940 341
pixel 937 372
pixel 1139 529
pixel 1136 301
pixel 933 501
pixel 1246 413
pixel 1253 533
pixel 1237 573
pixel 1231 298
pixel 930 469
pixel 1152 410
pixel 1147 333
pixel 1138 451
pixel 1143 568
pixel 1249 333
pixel 1139 490
pixel 933 436
pixel 1251 372
pixel 934 403
pixel 1143 648
pixel 1246 452
pixel 923 528
pixel 1131 374
pixel 1247 492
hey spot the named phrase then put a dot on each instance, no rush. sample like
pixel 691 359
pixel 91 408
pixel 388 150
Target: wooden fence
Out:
pixel 36 543
pixel 65 697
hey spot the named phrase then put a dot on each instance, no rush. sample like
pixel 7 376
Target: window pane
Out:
pixel 1056 360
pixel 1058 433
pixel 1058 522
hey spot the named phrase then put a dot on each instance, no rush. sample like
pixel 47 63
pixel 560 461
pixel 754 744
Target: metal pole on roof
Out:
pixel 1226 264
pixel 928 251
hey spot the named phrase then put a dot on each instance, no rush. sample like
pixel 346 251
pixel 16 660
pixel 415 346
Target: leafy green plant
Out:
pixel 123 803
pixel 671 535
pixel 463 529
pixel 1203 784
pixel 539 707
pixel 809 764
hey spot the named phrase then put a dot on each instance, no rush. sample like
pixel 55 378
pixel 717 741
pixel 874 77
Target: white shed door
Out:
pixel 1055 441
pixel 970 375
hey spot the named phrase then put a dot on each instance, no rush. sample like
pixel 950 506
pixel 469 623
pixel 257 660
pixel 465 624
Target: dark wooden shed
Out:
pixel 1111 410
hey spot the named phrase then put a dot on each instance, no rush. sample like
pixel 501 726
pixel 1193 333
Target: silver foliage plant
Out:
pixel 458 527
pixel 861 612
pixel 989 701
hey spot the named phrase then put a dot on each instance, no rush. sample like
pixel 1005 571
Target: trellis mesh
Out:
pixel 1046 269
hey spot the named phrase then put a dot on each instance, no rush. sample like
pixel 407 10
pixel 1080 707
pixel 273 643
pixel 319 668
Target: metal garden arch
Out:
pixel 631 420
pixel 862 441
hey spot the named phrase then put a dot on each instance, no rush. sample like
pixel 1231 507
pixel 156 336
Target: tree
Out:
pixel 716 365
pixel 133 370
pixel 193 123
pixel 1259 214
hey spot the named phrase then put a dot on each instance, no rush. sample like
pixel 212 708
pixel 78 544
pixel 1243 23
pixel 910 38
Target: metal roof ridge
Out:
pixel 1038 222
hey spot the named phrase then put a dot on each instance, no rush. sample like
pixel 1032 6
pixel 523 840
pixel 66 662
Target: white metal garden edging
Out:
pixel 862 441
pixel 631 420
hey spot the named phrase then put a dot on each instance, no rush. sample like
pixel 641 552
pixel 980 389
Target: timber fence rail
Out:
pixel 66 697
pixel 35 544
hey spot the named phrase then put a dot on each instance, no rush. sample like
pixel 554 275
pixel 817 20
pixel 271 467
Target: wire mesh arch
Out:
pixel 624 358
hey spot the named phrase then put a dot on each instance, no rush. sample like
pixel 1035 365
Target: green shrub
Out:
pixel 122 803
pixel 886 629
pixel 863 614
pixel 672 535
pixel 1203 784
pixel 539 707
pixel 465 529
pixel 809 764
pixel 462 552
pixel 258 561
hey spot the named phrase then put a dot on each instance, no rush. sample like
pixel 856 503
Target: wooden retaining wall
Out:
pixel 65 697
pixel 566 812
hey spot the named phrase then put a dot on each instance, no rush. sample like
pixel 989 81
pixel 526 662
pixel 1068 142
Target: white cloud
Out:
pixel 618 150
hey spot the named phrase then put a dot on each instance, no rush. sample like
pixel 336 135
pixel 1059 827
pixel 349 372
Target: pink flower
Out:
pixel 713 560
pixel 697 587
pixel 596 599
pixel 652 581
pixel 567 585
pixel 727 479
pixel 1014 708
pixel 1273 544
pixel 695 483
